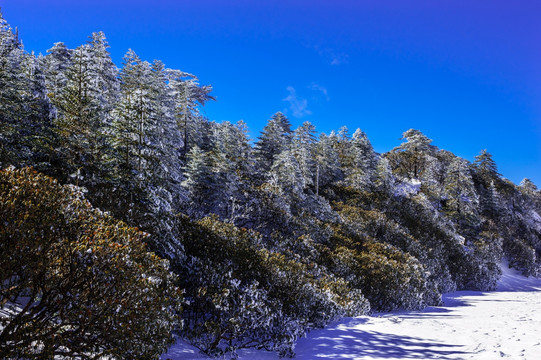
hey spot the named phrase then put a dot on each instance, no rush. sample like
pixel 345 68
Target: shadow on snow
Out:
pixel 346 343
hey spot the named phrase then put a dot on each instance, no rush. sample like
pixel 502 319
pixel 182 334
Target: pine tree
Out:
pixel 304 150
pixel 528 185
pixel 275 138
pixel 384 179
pixel 286 173
pixel 491 202
pixel 234 165
pixel 82 134
pixel 344 148
pixel 188 95
pixel 105 82
pixel 327 163
pixel 55 64
pixel 24 107
pixel 200 182
pixel 411 156
pixel 463 201
pixel 36 133
pixel 363 162
pixel 11 83
pixel 486 167
pixel 136 122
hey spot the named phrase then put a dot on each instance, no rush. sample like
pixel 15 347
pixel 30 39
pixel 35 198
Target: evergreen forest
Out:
pixel 128 219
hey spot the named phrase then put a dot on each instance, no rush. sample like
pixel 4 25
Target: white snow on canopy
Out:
pixel 536 219
pixel 471 325
pixel 408 187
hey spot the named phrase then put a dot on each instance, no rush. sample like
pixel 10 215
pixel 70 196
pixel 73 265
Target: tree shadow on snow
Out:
pixel 509 283
pixel 347 343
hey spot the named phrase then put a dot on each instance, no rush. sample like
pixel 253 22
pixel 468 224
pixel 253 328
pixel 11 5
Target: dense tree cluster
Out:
pixel 266 240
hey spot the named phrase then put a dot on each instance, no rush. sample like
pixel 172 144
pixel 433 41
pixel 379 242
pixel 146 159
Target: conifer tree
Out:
pixel 188 95
pixel 304 150
pixel 136 122
pixel 384 179
pixel 200 181
pixel 363 162
pixel 327 163
pixel 11 83
pixel 286 173
pixel 486 166
pixel 234 165
pixel 36 133
pixel 463 201
pixel 528 185
pixel 24 107
pixel 491 202
pixel 410 157
pixel 55 64
pixel 344 148
pixel 84 94
pixel 275 138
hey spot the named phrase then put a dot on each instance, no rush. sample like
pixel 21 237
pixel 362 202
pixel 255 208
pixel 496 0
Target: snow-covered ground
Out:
pixel 471 325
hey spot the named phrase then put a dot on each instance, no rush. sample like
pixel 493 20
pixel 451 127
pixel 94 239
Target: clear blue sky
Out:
pixel 466 73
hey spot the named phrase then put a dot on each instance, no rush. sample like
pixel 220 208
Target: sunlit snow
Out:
pixel 406 188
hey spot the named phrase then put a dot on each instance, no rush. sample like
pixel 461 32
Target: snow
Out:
pixel 471 325
pixel 408 187
pixel 536 220
pixel 536 216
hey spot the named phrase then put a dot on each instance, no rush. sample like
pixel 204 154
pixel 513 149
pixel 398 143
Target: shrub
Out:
pixel 75 282
pixel 241 294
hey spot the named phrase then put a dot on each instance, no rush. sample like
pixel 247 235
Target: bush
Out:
pixel 75 282
pixel 241 294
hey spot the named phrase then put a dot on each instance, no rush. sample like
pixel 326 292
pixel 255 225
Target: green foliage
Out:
pixel 486 166
pixel 410 158
pixel 522 256
pixel 75 282
pixel 243 295
pixel 485 261
pixel 389 278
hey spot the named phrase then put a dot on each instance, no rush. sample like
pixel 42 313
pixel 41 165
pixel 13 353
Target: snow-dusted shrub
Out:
pixel 485 259
pixel 75 282
pixel 521 256
pixel 389 278
pixel 240 294
pixel 410 225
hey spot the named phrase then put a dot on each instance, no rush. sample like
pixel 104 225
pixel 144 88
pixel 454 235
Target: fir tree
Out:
pixel 55 64
pixel 304 150
pixel 463 202
pixel 384 179
pixel 275 138
pixel 411 156
pixel 363 162
pixel 188 95
pixel 327 163
pixel 200 181
pixel 486 167
pixel 528 185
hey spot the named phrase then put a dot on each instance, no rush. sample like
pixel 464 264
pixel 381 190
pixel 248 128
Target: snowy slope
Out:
pixel 471 325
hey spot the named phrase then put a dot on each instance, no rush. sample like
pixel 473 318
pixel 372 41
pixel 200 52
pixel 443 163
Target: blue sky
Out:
pixel 466 73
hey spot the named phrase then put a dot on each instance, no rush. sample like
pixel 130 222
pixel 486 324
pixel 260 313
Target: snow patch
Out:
pixel 408 187
pixel 535 220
